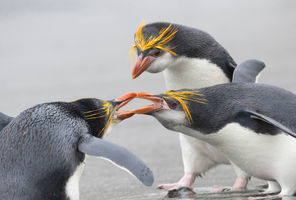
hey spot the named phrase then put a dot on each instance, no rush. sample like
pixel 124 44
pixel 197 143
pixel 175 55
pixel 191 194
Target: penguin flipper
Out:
pixel 272 122
pixel 118 156
pixel 4 120
pixel 247 72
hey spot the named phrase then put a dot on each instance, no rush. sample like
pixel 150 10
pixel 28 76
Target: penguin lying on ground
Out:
pixel 189 58
pixel 43 149
pixel 251 124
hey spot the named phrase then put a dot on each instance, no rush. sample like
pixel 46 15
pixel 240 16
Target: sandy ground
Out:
pixel 64 50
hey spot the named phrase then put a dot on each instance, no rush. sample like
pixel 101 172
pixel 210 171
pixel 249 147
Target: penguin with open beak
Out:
pixel 43 149
pixel 253 125
pixel 188 58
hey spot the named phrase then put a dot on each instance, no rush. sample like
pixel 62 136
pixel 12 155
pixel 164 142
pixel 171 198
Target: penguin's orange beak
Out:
pixel 141 65
pixel 158 103
pixel 123 100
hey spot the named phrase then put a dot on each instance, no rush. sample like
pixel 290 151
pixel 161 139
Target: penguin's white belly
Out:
pixel 194 73
pixel 197 149
pixel 264 156
pixel 72 186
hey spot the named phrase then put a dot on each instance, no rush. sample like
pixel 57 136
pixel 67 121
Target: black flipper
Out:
pixel 118 155
pixel 4 120
pixel 247 71
pixel 271 121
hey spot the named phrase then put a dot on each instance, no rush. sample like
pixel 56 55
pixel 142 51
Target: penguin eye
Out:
pixel 157 53
pixel 173 105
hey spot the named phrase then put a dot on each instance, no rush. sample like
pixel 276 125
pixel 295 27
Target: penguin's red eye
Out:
pixel 157 53
pixel 173 105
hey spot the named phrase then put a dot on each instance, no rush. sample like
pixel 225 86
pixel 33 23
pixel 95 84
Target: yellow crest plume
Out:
pixel 105 111
pixel 180 96
pixel 165 35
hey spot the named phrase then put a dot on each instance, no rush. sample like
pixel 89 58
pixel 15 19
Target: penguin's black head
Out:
pixel 154 43
pixel 160 45
pixel 99 114
pixel 171 108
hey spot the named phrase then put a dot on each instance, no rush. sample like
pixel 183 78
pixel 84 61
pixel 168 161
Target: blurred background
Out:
pixel 61 50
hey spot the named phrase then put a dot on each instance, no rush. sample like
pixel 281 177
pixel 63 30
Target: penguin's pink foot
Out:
pixel 240 184
pixel 269 197
pixel 186 181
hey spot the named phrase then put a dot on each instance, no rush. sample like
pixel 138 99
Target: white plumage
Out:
pixel 271 158
pixel 72 186
pixel 183 72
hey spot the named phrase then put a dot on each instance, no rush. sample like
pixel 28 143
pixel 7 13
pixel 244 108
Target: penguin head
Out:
pixel 160 45
pixel 171 108
pixel 155 47
pixel 99 114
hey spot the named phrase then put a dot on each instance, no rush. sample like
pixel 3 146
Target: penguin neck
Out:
pixel 193 73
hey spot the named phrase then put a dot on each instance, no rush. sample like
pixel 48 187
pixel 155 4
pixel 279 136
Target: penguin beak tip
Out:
pixel 122 101
pixel 141 65
pixel 158 103
pixel 125 99
pixel 123 114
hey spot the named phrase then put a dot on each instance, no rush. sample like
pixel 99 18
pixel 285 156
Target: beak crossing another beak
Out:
pixel 122 101
pixel 158 104
pixel 141 65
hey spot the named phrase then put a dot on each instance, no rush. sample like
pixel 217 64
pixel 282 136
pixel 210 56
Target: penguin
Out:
pixel 43 148
pixel 252 124
pixel 4 120
pixel 188 58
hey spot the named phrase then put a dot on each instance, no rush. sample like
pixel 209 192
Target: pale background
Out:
pixel 61 50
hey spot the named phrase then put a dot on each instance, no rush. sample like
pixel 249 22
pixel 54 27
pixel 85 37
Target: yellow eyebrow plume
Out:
pixel 180 96
pixel 165 35
pixel 104 111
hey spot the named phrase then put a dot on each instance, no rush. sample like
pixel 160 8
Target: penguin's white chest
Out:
pixel 193 73
pixel 264 156
pixel 72 186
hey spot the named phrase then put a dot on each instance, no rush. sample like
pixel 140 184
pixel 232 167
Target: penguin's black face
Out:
pixel 155 48
pixel 99 113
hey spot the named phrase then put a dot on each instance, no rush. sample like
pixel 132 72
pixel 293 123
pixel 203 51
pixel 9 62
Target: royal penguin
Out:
pixel 43 148
pixel 188 58
pixel 252 124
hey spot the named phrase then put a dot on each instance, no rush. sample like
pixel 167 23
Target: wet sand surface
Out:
pixel 65 50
